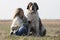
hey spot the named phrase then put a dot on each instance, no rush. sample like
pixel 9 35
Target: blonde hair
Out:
pixel 18 12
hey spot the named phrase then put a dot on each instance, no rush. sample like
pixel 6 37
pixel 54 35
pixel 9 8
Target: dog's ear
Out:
pixel 36 5
pixel 29 4
pixel 28 7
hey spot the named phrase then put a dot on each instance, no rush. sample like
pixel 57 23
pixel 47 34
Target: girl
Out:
pixel 19 24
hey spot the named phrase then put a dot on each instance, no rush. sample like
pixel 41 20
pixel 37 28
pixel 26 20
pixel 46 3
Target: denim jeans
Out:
pixel 22 30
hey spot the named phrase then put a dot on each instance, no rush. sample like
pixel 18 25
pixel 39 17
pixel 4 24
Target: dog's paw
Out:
pixel 44 33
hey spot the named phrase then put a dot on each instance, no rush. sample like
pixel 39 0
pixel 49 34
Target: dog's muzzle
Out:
pixel 33 8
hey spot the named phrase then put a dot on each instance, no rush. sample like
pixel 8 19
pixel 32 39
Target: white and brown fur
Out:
pixel 35 22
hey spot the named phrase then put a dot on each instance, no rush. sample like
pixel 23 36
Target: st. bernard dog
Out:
pixel 35 25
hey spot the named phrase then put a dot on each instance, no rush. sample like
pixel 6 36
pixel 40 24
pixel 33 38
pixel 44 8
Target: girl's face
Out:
pixel 21 13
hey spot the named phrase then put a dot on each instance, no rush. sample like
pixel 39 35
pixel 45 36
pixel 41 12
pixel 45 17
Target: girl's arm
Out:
pixel 13 25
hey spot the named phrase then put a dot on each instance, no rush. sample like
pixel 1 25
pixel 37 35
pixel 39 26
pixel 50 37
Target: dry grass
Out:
pixel 52 26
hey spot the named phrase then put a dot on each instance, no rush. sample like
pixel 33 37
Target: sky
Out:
pixel 48 9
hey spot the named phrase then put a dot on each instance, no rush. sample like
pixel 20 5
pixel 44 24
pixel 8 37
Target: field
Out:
pixel 52 27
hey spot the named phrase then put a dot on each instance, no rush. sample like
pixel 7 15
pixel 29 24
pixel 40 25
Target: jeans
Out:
pixel 22 30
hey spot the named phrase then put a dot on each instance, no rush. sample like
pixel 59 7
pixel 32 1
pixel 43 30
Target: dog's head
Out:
pixel 32 6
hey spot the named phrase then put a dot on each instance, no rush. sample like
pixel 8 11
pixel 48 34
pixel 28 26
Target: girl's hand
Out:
pixel 29 22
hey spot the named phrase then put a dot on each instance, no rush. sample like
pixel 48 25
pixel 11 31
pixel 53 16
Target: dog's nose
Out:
pixel 32 7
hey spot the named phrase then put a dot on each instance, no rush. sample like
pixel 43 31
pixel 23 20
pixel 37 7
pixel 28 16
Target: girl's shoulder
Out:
pixel 25 17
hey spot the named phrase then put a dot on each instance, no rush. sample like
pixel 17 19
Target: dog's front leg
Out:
pixel 29 28
pixel 37 28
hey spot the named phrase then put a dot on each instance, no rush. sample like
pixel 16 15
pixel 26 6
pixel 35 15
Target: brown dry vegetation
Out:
pixel 52 26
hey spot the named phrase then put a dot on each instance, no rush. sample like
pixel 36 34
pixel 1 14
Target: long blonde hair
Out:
pixel 18 12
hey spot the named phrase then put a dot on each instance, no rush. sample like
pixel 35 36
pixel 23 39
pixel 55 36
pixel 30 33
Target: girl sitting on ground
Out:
pixel 19 23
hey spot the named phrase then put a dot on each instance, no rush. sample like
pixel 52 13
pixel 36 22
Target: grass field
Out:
pixel 52 26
